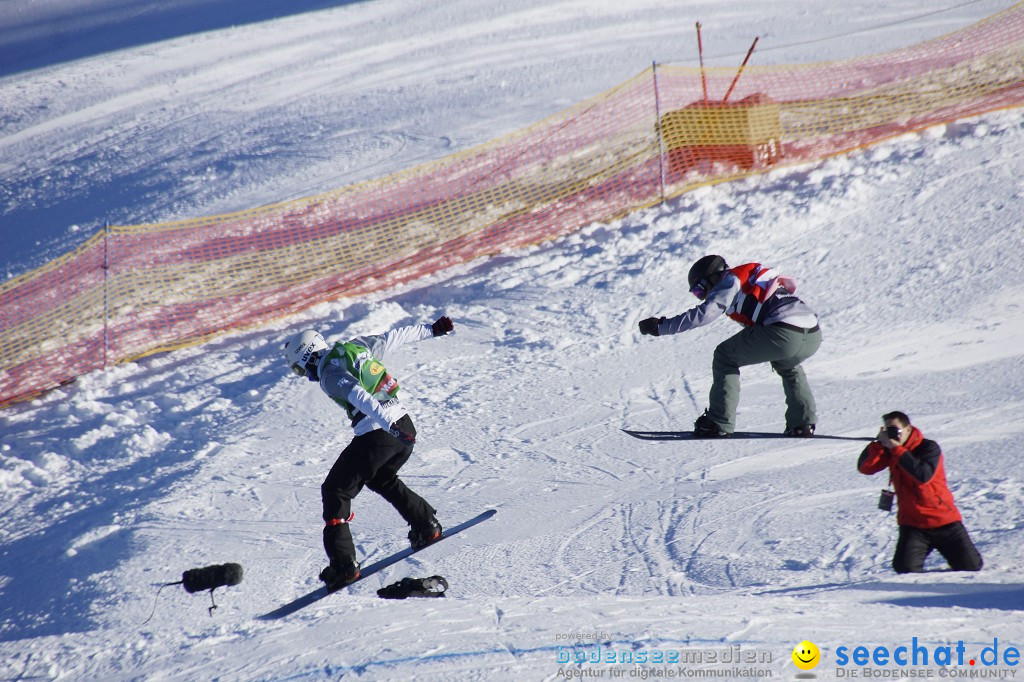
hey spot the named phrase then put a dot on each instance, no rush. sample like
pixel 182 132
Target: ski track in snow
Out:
pixel 910 251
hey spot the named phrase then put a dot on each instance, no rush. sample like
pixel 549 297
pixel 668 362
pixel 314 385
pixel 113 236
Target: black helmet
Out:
pixel 705 274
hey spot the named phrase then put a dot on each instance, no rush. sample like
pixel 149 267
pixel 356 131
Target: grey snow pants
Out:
pixel 785 347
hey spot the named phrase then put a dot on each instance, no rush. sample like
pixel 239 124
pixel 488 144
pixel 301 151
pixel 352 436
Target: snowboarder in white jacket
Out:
pixel 353 375
pixel 779 328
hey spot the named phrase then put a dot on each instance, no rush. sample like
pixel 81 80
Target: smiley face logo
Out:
pixel 806 655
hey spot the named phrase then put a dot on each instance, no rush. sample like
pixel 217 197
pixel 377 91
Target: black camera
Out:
pixel 893 432
pixel 885 500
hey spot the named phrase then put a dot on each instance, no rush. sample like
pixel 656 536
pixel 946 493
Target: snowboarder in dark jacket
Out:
pixel 927 516
pixel 779 329
pixel 353 375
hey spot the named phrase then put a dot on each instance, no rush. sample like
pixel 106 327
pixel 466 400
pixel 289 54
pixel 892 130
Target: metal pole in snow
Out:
pixel 106 287
pixel 657 128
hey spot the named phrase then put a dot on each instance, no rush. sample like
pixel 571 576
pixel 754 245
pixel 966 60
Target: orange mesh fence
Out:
pixel 134 290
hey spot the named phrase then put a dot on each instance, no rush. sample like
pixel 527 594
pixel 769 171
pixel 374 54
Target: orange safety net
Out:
pixel 130 291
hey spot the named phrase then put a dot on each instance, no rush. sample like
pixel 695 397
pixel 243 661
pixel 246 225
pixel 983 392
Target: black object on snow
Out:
pixel 206 578
pixel 211 577
pixel 434 586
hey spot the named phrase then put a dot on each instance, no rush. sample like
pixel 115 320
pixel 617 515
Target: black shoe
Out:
pixel 340 573
pixel 421 536
pixel 805 431
pixel 705 428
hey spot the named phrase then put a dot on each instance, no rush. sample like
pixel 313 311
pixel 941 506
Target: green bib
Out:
pixel 367 370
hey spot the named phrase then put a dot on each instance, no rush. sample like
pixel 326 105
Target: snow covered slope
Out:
pixel 912 253
pixel 237 113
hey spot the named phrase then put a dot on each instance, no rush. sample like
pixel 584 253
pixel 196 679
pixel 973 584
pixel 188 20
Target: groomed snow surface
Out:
pixel 912 252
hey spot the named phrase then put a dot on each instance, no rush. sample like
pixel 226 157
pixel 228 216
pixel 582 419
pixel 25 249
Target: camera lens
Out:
pixel 893 432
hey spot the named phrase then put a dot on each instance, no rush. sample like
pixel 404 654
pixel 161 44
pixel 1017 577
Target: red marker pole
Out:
pixel 745 60
pixel 700 53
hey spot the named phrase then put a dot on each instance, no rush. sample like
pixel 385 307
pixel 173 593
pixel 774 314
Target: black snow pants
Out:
pixel 954 544
pixel 372 459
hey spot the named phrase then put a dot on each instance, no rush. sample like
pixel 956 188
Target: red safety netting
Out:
pixel 135 290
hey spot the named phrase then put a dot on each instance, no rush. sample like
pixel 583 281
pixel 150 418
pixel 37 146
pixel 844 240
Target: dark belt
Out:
pixel 794 328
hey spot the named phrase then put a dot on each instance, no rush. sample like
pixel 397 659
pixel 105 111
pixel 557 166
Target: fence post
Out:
pixel 657 128
pixel 106 287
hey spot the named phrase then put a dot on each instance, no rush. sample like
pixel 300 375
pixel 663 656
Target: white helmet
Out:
pixel 301 347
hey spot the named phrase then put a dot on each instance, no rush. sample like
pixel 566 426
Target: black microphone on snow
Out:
pixel 211 577
pixel 206 578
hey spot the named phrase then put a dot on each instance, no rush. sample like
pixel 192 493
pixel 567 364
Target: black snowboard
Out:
pixel 738 435
pixel 321 592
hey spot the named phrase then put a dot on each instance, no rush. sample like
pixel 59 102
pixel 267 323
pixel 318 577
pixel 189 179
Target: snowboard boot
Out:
pixel 340 573
pixel 705 428
pixel 422 535
pixel 805 431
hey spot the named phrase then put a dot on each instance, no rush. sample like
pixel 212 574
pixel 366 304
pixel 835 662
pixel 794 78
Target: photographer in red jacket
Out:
pixel 927 517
